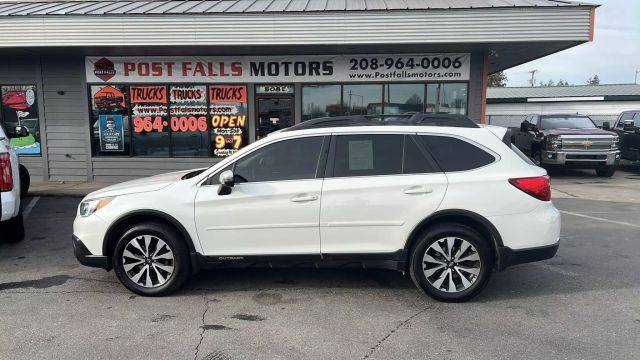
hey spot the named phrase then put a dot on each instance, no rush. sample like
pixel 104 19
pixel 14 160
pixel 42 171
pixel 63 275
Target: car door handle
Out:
pixel 304 198
pixel 419 189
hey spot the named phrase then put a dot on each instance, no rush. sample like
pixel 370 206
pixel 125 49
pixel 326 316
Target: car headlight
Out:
pixel 88 207
pixel 553 142
pixel 615 142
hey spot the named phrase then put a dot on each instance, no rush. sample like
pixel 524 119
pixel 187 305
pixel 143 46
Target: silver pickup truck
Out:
pixel 569 141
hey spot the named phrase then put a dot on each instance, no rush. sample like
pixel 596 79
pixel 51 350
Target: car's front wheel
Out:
pixel 451 262
pixel 151 259
pixel 606 171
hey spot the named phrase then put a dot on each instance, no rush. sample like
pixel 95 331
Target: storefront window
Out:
pixel 320 101
pixel 149 112
pixel 362 99
pixel 450 98
pixel 228 112
pixel 110 120
pixel 188 113
pixel 20 108
pixel 403 98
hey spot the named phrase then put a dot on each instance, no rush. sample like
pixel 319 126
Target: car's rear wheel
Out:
pixel 12 230
pixel 451 262
pixel 606 171
pixel 151 259
pixel 25 181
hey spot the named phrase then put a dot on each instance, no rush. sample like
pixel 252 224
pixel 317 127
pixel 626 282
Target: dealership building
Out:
pixel 114 90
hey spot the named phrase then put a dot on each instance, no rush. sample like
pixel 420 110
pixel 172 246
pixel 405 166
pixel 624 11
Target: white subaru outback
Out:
pixel 436 196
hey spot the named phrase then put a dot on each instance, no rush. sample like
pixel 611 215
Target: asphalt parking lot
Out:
pixel 582 304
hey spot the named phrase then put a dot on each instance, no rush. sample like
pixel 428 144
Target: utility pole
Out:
pixel 533 77
pixel 636 80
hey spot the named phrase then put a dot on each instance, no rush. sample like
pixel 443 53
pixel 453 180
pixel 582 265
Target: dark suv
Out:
pixel 628 129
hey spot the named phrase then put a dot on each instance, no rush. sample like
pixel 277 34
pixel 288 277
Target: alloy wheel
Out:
pixel 148 261
pixel 451 264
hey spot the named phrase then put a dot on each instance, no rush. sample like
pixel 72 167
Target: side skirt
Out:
pixel 391 261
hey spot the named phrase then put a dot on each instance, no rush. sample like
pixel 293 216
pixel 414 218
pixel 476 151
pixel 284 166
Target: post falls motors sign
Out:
pixel 279 69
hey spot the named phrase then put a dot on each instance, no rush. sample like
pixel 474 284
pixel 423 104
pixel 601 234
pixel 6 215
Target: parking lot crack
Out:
pixel 392 331
pixel 203 327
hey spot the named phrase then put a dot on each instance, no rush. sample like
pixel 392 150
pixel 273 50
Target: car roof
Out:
pixel 416 119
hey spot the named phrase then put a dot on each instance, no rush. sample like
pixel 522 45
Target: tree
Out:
pixel 498 79
pixel 595 80
pixel 550 83
pixel 562 83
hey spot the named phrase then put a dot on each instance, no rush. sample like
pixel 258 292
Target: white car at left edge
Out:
pixel 11 186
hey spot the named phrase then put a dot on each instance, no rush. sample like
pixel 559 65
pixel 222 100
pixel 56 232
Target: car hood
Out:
pixel 152 183
pixel 577 132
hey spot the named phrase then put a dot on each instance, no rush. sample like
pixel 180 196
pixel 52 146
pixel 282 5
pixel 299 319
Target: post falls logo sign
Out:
pixel 104 69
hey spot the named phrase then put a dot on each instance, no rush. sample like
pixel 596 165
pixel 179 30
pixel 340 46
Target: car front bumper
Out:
pixel 581 159
pixel 85 257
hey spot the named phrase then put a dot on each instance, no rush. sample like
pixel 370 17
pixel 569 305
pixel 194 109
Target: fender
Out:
pixel 491 230
pixel 152 214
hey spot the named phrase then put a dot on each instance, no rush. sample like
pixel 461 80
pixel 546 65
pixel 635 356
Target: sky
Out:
pixel 614 55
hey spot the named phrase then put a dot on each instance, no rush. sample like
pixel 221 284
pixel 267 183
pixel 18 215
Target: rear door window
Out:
pixel 368 154
pixel 453 154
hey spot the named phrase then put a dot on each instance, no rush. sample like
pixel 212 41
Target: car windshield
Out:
pixel 567 122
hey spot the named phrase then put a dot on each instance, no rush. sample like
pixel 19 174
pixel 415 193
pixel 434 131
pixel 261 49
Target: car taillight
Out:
pixel 6 178
pixel 538 187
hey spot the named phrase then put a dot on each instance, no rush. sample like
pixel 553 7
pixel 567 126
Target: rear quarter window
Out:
pixel 453 154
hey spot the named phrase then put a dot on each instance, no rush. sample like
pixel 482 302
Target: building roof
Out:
pixel 173 7
pixel 579 93
pixel 563 91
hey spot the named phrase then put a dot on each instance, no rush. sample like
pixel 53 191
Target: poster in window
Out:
pixel 20 108
pixel 111 133
pixel 228 111
pixel 188 120
pixel 109 100
pixel 149 114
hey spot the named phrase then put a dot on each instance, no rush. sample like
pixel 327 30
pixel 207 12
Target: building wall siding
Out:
pixel 510 114
pixel 474 96
pixel 68 119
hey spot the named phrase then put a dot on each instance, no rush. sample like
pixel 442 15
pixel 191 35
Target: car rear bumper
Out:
pixel 85 257
pixel 510 257
pixel 581 159
pixel 9 204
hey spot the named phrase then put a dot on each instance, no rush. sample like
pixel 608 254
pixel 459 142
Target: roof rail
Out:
pixel 410 119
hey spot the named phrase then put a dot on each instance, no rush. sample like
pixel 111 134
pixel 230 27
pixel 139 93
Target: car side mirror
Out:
pixel 606 125
pixel 628 125
pixel 20 132
pixel 226 182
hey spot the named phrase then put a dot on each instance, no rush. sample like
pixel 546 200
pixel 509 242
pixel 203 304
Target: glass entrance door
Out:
pixel 273 114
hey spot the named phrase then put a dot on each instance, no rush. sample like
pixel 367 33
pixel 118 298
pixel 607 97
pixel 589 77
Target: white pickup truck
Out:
pixel 11 223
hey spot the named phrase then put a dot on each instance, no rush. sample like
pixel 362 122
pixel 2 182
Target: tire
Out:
pixel 477 258
pixel 606 171
pixel 145 274
pixel 14 229
pixel 25 181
